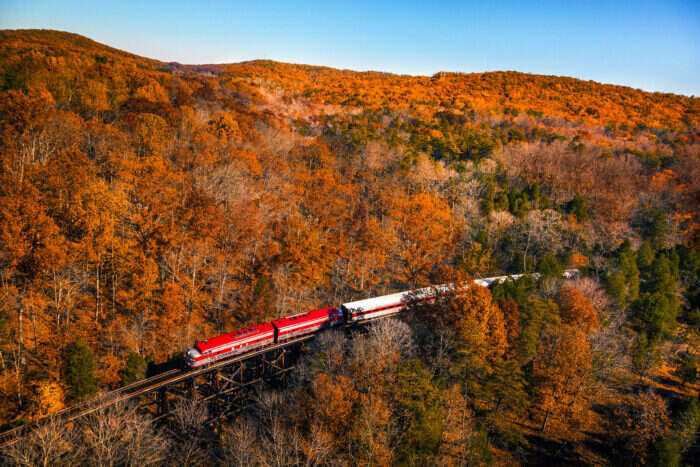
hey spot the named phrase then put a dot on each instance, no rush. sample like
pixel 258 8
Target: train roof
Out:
pixel 322 313
pixel 488 281
pixel 231 337
pixel 427 292
pixel 404 297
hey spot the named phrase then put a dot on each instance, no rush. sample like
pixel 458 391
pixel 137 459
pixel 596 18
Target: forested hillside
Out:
pixel 146 205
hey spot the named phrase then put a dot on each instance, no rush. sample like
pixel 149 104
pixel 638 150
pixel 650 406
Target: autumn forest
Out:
pixel 147 205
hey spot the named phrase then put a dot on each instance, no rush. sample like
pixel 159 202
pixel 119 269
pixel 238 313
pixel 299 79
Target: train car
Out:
pixel 305 323
pixel 228 345
pixel 489 281
pixel 568 274
pixel 571 274
pixel 371 308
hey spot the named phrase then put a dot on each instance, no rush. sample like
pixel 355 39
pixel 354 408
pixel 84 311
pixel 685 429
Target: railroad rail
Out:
pixel 141 388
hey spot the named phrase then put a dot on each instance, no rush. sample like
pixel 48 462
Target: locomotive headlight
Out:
pixel 193 354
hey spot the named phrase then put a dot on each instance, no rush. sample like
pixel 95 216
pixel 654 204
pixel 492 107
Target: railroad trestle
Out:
pixel 226 388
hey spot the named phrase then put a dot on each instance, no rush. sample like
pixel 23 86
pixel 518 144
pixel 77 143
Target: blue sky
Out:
pixel 648 45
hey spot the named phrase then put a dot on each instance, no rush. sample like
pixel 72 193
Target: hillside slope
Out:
pixel 496 92
pixel 42 51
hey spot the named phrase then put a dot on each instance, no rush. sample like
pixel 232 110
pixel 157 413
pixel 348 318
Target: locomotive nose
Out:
pixel 192 355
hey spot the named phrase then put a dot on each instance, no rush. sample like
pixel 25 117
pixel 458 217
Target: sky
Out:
pixel 649 45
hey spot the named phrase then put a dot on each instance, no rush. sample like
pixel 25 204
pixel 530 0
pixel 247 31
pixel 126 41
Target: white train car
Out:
pixel 370 308
pixel 488 281
pixel 571 274
pixel 568 274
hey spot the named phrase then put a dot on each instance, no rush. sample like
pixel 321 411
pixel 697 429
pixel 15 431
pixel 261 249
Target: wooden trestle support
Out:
pixel 227 389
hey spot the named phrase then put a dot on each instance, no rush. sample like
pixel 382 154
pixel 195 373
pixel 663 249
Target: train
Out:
pixel 284 329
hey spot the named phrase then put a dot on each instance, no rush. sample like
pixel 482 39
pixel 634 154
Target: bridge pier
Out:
pixel 162 401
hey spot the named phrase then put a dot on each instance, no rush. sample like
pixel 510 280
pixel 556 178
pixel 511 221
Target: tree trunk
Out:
pixel 97 293
pixel 20 317
pixel 36 344
pixel 546 419
pixel 527 246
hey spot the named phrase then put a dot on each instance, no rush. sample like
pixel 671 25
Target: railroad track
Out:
pixel 136 389
pixel 91 405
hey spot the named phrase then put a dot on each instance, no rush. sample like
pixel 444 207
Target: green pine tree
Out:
pixel 421 403
pixel 577 207
pixel 688 371
pixel 80 370
pixel 645 255
pixel 615 285
pixel 135 370
pixel 665 453
pixel 536 315
pixel 550 267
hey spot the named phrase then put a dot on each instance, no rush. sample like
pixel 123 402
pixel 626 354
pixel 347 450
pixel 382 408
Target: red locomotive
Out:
pixel 245 340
